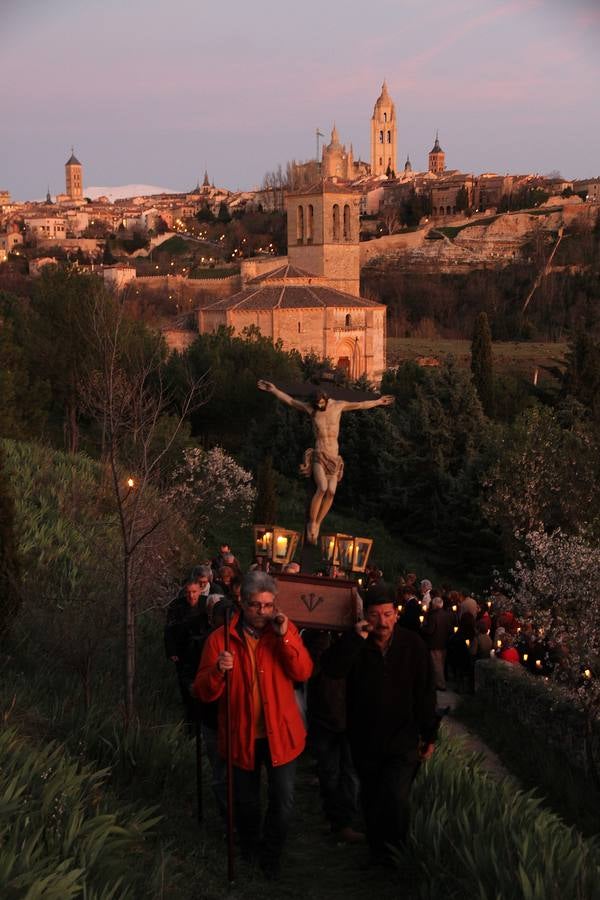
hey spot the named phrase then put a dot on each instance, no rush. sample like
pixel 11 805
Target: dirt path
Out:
pixel 472 741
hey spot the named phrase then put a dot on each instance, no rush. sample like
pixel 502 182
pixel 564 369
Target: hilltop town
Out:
pixel 182 253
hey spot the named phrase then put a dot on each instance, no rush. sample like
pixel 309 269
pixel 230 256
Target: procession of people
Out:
pixel 365 703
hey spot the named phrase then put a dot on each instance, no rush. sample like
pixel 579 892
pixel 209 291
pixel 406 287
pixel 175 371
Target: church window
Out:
pixel 389 137
pixel 347 222
pixel 381 137
pixel 380 161
pixel 299 224
pixel 336 222
pixel 299 327
pixel 310 220
pixel 348 320
pixel 385 117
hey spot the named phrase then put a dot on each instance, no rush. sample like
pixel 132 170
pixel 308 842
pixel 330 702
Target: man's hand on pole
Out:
pixel 225 661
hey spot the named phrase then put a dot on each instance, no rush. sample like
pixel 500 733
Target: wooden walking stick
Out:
pixel 230 849
pixel 199 803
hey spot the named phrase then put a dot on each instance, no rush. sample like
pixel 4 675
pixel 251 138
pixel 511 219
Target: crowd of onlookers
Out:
pixel 459 630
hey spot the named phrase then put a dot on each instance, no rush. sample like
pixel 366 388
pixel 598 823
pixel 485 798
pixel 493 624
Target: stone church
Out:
pixel 311 299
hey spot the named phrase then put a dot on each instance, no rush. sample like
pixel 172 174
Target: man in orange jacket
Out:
pixel 267 656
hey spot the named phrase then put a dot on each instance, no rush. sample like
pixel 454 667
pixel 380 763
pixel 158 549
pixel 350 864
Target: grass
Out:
pixel 561 787
pixel 510 357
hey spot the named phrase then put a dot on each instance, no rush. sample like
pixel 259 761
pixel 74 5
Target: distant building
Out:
pixel 118 276
pixel 589 186
pixel 46 227
pixel 74 178
pixel 383 135
pixel 311 301
pixel 437 158
pixel 4 198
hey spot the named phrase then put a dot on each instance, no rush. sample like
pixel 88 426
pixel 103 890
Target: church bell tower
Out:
pixel 383 135
pixel 323 234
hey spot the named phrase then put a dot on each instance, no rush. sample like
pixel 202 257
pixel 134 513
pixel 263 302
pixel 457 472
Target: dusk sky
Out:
pixel 151 92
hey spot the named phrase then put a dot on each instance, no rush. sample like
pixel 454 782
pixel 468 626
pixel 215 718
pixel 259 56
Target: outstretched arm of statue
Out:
pixel 386 400
pixel 281 395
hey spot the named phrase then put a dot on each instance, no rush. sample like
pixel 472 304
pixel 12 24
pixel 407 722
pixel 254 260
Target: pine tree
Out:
pixel 10 597
pixel 481 362
pixel 265 510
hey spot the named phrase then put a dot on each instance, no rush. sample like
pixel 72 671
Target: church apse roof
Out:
pixel 285 271
pixel 290 296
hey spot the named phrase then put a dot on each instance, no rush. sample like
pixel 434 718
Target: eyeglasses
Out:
pixel 259 607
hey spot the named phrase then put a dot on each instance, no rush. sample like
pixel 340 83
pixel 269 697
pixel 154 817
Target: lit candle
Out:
pixel 587 673
pixel 424 607
pixel 538 664
pixel 454 608
pixel 400 607
pixel 421 619
pixel 130 483
pixel 498 644
pixel 489 604
pixel 455 629
pixel 525 657
pixel 468 642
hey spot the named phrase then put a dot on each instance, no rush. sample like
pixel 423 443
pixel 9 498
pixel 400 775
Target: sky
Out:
pixel 154 92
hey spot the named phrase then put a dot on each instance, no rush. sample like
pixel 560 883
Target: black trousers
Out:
pixel 384 792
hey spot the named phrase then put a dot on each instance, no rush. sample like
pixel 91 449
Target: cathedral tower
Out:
pixel 323 234
pixel 74 177
pixel 437 158
pixel 383 135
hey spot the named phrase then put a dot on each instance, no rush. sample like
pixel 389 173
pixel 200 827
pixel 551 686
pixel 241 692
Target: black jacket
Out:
pixel 186 630
pixel 391 699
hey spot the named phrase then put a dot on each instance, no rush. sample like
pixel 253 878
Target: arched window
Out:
pixel 348 320
pixel 448 211
pixel 389 137
pixel 310 223
pixel 347 235
pixel 299 224
pixel 336 222
pixel 381 137
pixel 385 117
pixel 299 327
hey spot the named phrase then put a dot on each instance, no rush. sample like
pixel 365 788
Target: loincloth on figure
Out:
pixel 332 465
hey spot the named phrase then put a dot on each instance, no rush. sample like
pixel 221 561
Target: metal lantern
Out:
pixel 263 540
pixel 284 545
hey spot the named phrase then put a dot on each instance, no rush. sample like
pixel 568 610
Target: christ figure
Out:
pixel 323 461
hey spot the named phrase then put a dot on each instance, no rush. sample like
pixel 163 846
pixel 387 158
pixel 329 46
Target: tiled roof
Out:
pixel 72 161
pixel 292 296
pixel 285 271
pixel 324 187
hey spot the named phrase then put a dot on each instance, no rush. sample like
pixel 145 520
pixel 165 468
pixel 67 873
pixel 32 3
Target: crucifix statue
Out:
pixel 323 461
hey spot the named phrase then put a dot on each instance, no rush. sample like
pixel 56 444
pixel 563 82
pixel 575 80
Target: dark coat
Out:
pixel 391 699
pixel 438 628
pixel 326 697
pixel 186 629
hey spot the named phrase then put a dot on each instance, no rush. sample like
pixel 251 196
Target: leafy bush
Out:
pixel 541 707
pixel 58 839
pixel 476 837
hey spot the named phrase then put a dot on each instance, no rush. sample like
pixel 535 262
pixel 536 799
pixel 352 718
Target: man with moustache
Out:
pixel 391 714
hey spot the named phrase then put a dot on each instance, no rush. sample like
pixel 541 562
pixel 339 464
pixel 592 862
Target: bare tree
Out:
pixel 129 398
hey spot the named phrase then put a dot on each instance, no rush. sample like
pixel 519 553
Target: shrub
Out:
pixel 476 837
pixel 58 839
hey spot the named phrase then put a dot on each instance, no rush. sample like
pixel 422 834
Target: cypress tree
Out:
pixel 10 596
pixel 265 510
pixel 481 362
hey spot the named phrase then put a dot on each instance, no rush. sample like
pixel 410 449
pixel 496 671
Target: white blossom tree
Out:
pixel 215 492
